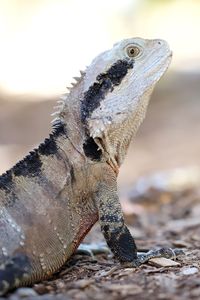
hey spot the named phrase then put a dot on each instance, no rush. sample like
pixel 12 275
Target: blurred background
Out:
pixel 44 43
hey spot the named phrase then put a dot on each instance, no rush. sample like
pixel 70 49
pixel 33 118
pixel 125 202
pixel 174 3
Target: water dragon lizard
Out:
pixel 51 199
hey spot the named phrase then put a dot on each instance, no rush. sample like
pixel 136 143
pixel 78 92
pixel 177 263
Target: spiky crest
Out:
pixel 62 100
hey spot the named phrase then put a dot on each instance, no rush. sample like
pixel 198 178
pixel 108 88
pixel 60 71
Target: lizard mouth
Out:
pixel 161 65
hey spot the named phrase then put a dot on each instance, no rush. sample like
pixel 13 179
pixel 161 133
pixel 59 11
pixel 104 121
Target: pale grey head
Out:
pixel 118 115
pixel 115 90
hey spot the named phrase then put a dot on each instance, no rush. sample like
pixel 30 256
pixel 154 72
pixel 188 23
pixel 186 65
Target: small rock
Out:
pixel 189 270
pixel 163 262
pixel 83 283
pixel 124 289
pixel 181 244
pixel 25 292
pixel 41 289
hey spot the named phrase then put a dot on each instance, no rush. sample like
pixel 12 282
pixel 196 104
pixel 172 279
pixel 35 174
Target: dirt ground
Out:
pixel 161 219
pixel 157 218
pixel 158 214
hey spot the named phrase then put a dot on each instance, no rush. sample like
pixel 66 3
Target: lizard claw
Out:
pixel 165 252
pixel 145 257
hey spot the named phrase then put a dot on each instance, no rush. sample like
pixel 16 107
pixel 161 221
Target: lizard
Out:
pixel 50 200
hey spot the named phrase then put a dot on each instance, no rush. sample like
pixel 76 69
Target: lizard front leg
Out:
pixel 112 224
pixel 116 233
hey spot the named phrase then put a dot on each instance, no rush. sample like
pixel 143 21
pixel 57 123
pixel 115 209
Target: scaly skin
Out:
pixel 51 199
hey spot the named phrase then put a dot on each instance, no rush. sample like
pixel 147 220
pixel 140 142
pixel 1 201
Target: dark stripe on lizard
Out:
pixel 105 82
pixel 14 270
pixel 91 149
pixel 31 165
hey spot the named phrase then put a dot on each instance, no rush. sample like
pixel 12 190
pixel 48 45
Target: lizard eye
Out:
pixel 133 51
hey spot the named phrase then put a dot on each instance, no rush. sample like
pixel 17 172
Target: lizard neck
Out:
pixel 70 115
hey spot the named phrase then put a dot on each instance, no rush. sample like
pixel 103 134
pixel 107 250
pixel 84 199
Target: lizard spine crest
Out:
pixel 63 98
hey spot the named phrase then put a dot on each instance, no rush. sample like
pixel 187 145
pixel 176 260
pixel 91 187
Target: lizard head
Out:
pixel 115 92
pixel 117 86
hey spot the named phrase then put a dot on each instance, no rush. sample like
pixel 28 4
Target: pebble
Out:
pixel 163 262
pixel 189 270
pixel 25 292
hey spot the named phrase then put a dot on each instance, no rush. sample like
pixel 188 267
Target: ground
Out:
pixel 165 212
pixel 157 218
